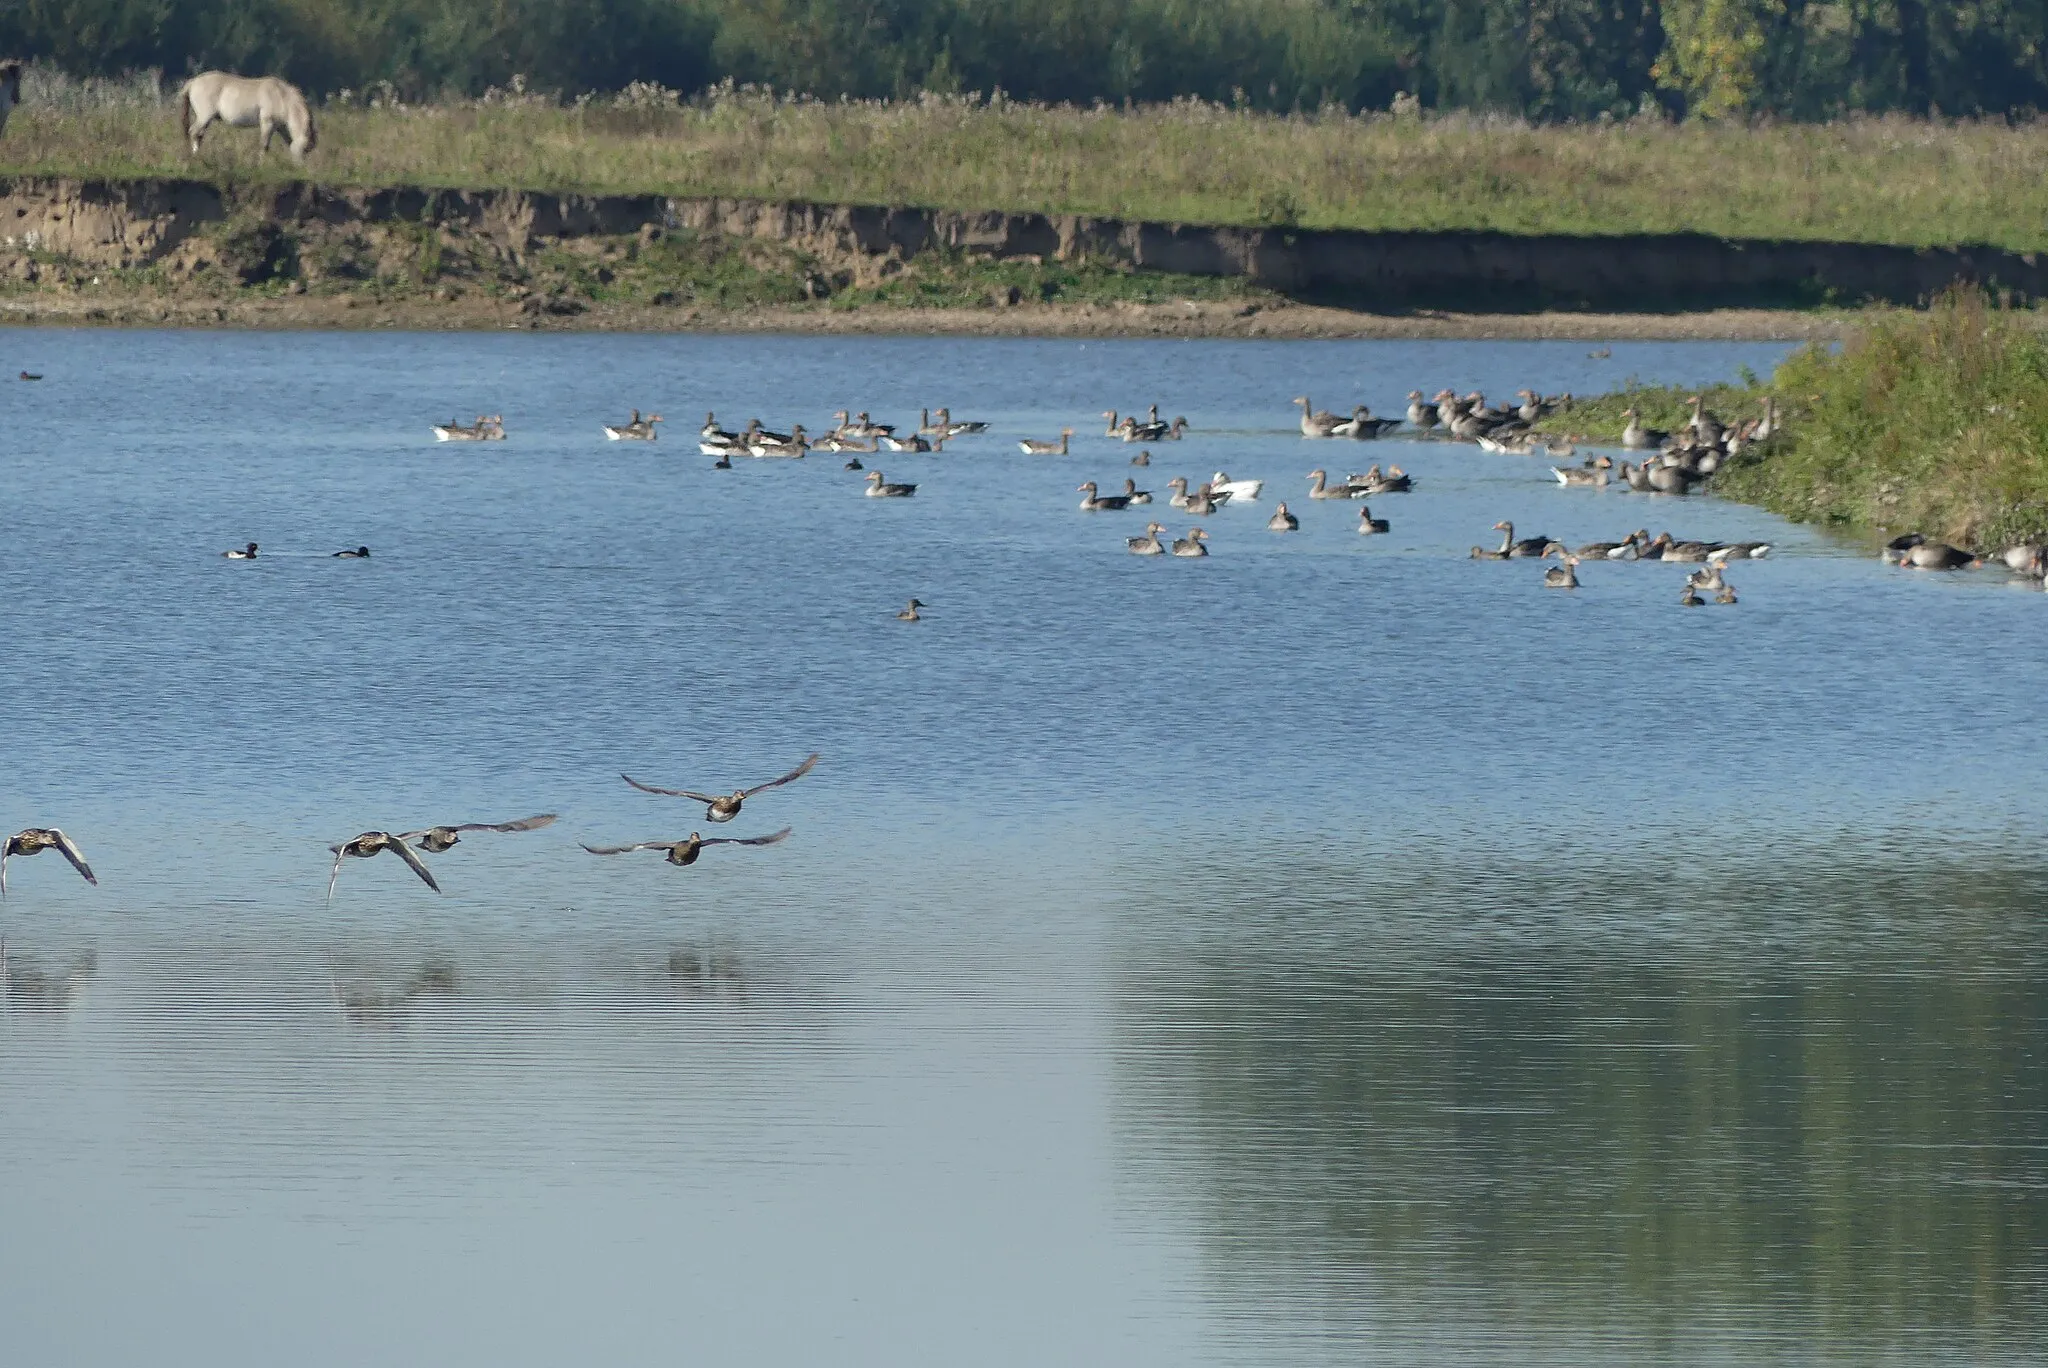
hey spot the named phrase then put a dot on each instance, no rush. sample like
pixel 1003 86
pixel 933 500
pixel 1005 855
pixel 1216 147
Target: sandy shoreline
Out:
pixel 1277 319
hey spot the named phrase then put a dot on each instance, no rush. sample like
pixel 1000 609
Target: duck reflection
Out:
pixel 27 984
pixel 696 974
pixel 375 1007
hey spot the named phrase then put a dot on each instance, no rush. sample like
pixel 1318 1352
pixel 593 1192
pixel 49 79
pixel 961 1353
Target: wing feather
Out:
pixel 770 839
pixel 335 873
pixel 799 772
pixel 419 866
pixel 69 849
pixel 627 849
pixel 669 793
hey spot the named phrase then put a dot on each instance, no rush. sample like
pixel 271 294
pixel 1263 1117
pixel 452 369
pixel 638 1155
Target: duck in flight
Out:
pixel 371 843
pixel 434 840
pixel 35 841
pixel 686 851
pixel 724 809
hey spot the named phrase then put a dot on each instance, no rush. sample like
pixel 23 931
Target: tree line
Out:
pixel 1540 59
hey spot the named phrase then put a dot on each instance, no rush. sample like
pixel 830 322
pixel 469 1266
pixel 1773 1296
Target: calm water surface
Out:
pixel 1333 951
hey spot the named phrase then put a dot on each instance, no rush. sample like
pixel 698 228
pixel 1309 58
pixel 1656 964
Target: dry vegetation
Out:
pixel 1891 179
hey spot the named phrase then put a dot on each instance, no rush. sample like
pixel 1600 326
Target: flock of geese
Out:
pixel 436 840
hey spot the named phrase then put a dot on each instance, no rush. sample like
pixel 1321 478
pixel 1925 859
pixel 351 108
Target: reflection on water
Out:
pixel 1813 1120
pixel 1332 951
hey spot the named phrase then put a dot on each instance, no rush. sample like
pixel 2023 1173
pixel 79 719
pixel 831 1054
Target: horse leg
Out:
pixel 268 129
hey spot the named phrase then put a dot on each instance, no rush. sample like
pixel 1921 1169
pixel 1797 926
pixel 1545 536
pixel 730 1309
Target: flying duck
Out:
pixel 727 807
pixel 434 840
pixel 686 851
pixel 36 840
pixel 371 843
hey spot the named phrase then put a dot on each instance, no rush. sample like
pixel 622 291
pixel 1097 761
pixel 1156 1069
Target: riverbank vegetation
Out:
pixel 1932 422
pixel 1888 180
pixel 1546 60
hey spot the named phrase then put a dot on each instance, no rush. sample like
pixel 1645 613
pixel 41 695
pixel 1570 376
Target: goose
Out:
pixel 1059 448
pixel 2025 558
pixel 1507 544
pixel 1934 555
pixel 371 843
pixel 480 431
pixel 723 449
pixel 1147 545
pixel 863 426
pixel 913 443
pixel 1320 488
pixel 1283 521
pixel 686 851
pixel 757 435
pixel 1421 414
pixel 1143 458
pixel 1681 551
pixel 1191 544
pixel 1117 426
pixel 1690 598
pixel 1395 481
pixel 1624 549
pixel 1670 479
pixel 1362 426
pixel 435 840
pixel 246 553
pixel 1564 576
pixel 878 488
pixel 1526 546
pixel 1101 502
pixel 1637 476
pixel 1595 475
pixel 712 432
pixel 1705 426
pixel 910 613
pixel 1740 551
pixel 1221 484
pixel 925 426
pixel 1710 578
pixel 837 442
pixel 1532 407
pixel 36 840
pixel 724 809
pixel 1767 424
pixel 1135 495
pixel 1154 431
pixel 1368 524
pixel 768 446
pixel 360 553
pixel 1203 500
pixel 949 428
pixel 638 430
pixel 1316 422
pixel 1636 437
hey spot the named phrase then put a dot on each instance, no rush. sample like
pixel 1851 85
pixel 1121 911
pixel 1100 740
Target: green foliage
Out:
pixel 1545 59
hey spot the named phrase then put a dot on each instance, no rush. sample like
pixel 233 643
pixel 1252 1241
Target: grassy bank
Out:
pixel 1934 422
pixel 1890 180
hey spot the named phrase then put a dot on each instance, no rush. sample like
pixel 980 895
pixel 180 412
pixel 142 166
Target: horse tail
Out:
pixel 185 109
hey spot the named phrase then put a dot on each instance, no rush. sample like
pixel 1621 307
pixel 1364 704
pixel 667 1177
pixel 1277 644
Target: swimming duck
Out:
pixel 1726 594
pixel 435 840
pixel 1283 521
pixel 1368 524
pixel 26 376
pixel 910 613
pixel 1636 437
pixel 1134 494
pixel 1101 503
pixel 1191 544
pixel 1934 555
pixel 724 809
pixel 686 851
pixel 36 840
pixel 360 553
pixel 1565 576
pixel 1143 458
pixel 878 488
pixel 1533 547
pixel 1690 598
pixel 853 464
pixel 1321 488
pixel 1222 485
pixel 1147 545
pixel 246 553
pixel 724 461
pixel 948 428
pixel 1362 426
pixel 371 843
pixel 1316 422
pixel 1595 475
pixel 1059 448
pixel 913 443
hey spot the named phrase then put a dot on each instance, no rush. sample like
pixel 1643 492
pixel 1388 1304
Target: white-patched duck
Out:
pixel 36 840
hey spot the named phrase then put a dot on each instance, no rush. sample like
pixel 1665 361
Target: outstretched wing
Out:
pixel 523 824
pixel 627 849
pixel 669 793
pixel 799 772
pixel 69 849
pixel 335 873
pixel 749 840
pixel 418 865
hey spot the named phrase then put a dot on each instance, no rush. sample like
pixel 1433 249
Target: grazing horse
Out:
pixel 10 90
pixel 246 102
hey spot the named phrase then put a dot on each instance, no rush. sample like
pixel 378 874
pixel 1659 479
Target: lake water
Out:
pixel 1332 951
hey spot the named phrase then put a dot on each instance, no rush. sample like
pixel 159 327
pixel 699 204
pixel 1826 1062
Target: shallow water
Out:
pixel 1334 950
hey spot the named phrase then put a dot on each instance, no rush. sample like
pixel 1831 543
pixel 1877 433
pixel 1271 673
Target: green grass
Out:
pixel 1892 180
pixel 1932 422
